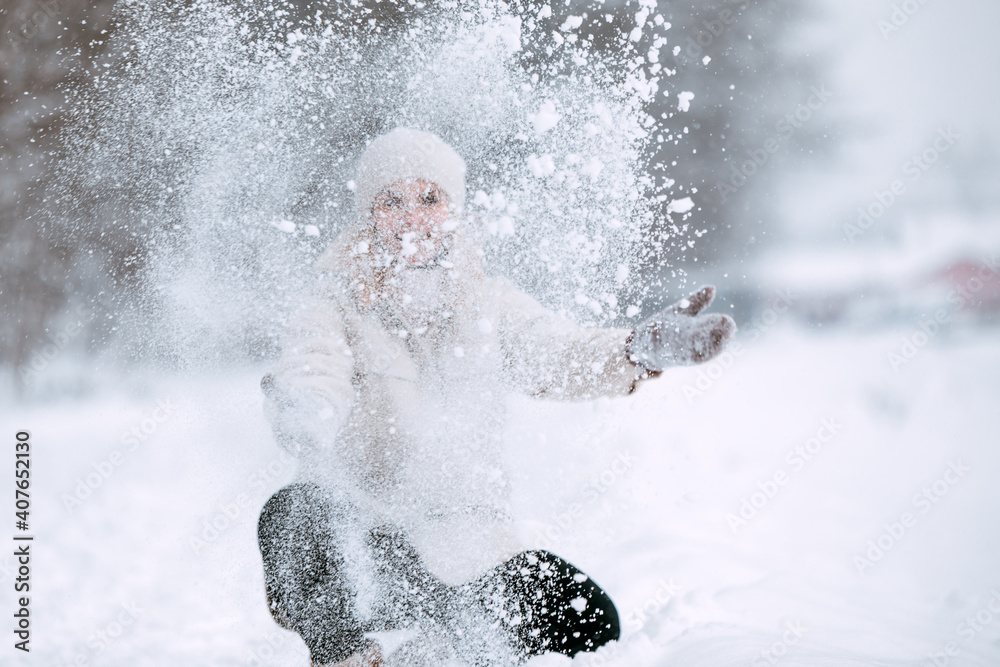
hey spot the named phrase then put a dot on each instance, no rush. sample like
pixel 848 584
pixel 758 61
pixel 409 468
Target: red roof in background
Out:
pixel 976 282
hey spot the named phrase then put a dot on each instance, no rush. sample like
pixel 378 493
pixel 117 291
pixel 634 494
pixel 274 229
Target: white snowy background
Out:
pixel 158 566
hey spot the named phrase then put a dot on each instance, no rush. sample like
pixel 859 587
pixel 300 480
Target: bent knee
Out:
pixel 293 513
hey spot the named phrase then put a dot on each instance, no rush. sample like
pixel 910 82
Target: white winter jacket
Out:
pixel 416 409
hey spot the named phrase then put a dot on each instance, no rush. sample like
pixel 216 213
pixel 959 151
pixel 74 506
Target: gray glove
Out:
pixel 301 420
pixel 679 336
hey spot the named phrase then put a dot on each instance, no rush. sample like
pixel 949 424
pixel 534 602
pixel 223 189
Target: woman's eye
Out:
pixel 431 198
pixel 392 202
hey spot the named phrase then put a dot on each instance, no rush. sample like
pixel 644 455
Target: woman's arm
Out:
pixel 550 356
pixel 309 392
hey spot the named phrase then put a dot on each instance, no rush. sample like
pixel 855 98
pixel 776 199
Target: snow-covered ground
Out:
pixel 158 565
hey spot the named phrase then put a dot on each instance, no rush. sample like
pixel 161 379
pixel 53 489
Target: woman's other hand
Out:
pixel 679 335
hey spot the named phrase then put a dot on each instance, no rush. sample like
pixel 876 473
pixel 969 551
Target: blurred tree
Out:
pixel 40 271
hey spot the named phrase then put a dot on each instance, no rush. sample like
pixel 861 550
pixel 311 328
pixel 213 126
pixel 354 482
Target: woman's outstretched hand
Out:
pixel 679 335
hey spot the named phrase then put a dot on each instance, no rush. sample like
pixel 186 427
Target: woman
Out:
pixel 390 390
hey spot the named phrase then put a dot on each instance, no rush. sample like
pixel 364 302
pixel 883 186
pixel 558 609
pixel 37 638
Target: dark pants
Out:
pixel 537 601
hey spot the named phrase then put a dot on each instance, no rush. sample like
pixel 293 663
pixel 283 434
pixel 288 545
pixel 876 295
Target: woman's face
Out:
pixel 411 219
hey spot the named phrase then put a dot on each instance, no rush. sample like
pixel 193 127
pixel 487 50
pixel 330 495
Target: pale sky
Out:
pixel 940 68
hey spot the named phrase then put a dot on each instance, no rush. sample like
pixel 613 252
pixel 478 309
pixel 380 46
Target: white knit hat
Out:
pixel 405 154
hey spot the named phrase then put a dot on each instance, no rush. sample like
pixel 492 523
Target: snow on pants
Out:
pixel 539 602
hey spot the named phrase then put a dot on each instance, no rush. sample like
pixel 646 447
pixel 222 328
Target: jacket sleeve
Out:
pixel 552 357
pixel 309 391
